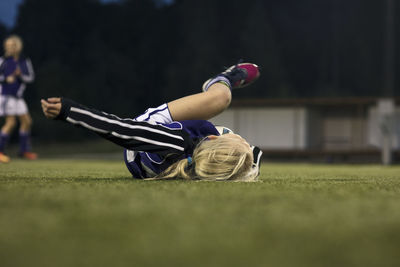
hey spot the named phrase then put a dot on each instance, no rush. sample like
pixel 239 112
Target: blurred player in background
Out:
pixel 15 72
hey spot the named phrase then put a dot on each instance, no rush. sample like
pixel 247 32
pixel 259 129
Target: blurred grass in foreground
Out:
pixel 91 213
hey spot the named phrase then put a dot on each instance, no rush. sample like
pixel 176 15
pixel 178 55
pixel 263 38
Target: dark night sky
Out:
pixel 8 10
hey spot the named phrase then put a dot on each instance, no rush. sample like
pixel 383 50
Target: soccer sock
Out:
pixel 24 142
pixel 3 141
pixel 219 79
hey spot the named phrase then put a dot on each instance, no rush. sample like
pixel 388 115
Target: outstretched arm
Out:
pixel 128 133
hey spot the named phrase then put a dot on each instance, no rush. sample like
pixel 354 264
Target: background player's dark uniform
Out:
pixel 13 92
pixel 11 98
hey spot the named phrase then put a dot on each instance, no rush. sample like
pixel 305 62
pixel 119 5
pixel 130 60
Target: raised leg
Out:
pixel 202 106
pixel 216 95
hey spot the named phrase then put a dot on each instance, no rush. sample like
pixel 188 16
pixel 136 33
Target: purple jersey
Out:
pixel 8 66
pixel 145 164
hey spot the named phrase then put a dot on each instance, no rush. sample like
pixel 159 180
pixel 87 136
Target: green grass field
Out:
pixel 83 212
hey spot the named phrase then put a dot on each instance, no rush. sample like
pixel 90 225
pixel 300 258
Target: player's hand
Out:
pixel 17 72
pixel 51 107
pixel 10 79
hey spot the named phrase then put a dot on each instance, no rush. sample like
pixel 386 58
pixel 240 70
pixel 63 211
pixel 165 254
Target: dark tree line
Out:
pixel 126 56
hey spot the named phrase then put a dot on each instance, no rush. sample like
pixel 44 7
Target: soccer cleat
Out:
pixel 239 76
pixel 4 158
pixel 29 155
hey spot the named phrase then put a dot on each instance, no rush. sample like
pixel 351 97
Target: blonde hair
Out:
pixel 18 42
pixel 219 159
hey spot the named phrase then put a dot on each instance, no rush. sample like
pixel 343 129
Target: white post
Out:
pixel 386 108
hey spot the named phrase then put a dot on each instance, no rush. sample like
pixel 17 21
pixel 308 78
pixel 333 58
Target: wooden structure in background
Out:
pixel 325 129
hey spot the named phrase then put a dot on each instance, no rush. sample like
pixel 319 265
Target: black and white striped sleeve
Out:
pixel 128 133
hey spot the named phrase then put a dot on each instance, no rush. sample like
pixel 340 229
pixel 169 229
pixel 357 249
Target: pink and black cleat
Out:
pixel 237 76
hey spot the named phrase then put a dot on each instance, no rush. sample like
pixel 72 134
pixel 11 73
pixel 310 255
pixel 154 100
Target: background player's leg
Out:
pixel 4 136
pixel 6 131
pixel 24 137
pixel 9 124
pixel 26 122
pixel 202 106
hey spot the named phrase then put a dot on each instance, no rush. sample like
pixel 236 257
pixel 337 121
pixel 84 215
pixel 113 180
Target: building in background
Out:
pixel 334 129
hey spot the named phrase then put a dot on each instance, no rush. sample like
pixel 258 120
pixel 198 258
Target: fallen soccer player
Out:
pixel 175 140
